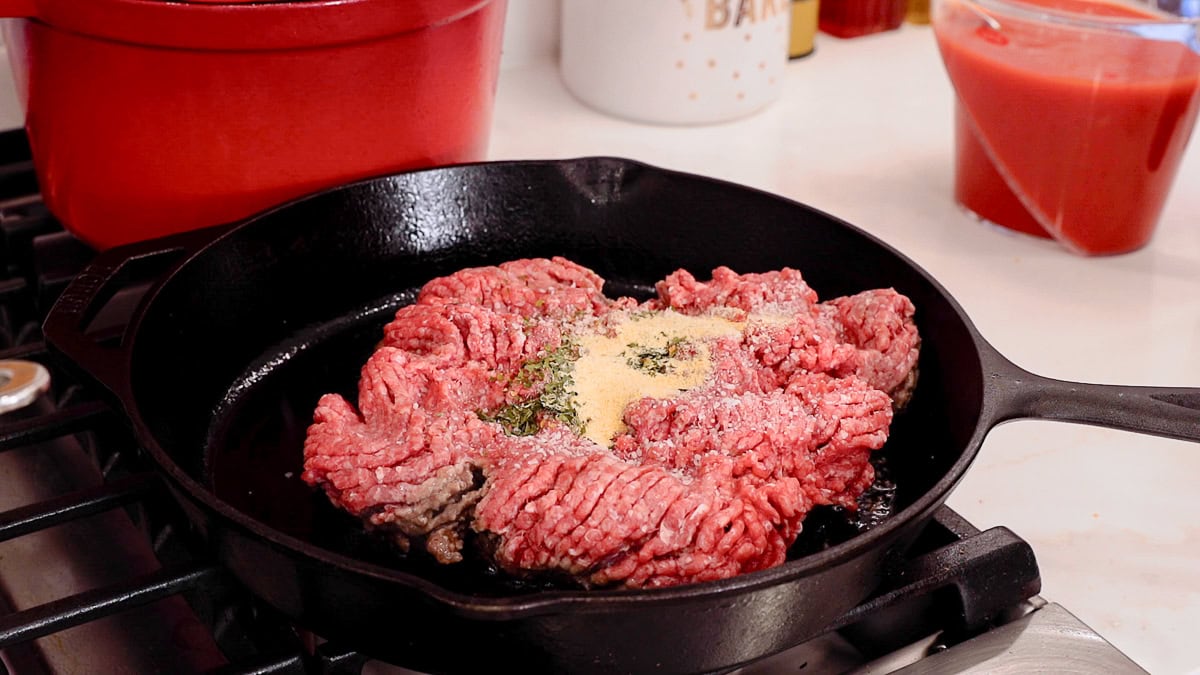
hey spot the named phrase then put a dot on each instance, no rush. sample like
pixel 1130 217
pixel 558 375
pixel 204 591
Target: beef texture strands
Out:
pixel 470 425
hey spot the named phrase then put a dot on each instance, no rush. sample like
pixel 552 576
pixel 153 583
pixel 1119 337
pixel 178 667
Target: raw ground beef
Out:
pixel 704 485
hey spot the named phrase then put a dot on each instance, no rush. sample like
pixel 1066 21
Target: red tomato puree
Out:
pixel 1087 126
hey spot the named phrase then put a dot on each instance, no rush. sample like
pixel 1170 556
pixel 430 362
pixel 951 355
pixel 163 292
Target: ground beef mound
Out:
pixel 705 485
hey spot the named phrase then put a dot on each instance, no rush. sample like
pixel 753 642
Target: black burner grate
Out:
pixel 957 580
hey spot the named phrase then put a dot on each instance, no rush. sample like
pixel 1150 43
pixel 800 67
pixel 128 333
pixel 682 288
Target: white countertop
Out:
pixel 864 131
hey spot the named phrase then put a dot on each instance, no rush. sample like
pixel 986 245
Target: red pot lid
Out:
pixel 241 24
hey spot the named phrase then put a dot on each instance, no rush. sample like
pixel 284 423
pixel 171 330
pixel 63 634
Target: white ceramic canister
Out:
pixel 675 61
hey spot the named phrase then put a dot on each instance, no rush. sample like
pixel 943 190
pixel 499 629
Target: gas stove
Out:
pixel 100 572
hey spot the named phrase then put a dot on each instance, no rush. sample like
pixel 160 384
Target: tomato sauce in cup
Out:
pixel 1072 115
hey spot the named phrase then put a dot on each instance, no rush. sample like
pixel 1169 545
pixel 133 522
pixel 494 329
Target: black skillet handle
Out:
pixel 67 324
pixel 1171 412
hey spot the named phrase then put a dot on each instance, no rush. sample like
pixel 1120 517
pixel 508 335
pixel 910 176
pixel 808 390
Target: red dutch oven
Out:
pixel 149 117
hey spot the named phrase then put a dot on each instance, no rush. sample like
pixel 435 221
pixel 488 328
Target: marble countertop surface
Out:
pixel 863 130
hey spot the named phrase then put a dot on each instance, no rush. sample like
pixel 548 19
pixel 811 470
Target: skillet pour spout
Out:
pixel 262 317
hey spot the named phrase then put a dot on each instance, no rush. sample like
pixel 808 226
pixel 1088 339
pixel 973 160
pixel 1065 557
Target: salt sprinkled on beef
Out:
pixel 467 426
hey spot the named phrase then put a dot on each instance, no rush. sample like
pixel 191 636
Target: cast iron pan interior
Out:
pixel 304 292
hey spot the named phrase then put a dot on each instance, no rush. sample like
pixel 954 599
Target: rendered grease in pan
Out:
pixel 879 501
pixel 828 526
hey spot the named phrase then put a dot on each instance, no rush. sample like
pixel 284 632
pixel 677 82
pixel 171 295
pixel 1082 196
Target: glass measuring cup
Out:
pixel 1072 115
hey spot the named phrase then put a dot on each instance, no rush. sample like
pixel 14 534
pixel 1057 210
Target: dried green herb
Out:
pixel 656 360
pixel 556 398
pixel 518 419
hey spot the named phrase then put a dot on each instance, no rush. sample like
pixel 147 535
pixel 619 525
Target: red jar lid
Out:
pixel 240 24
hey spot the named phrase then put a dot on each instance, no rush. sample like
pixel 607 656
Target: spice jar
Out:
pixel 852 18
pixel 804 27
pixel 918 12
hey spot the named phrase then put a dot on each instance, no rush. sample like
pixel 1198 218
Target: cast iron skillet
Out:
pixel 248 324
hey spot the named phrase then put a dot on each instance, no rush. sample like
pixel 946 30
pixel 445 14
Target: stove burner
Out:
pixel 100 567
pixel 21 382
